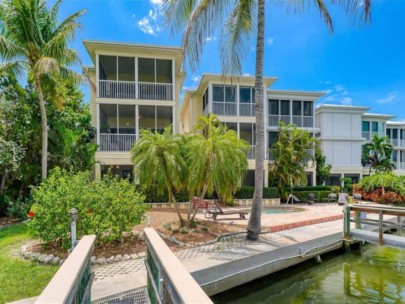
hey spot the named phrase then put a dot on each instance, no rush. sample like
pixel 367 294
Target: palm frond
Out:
pixel 17 68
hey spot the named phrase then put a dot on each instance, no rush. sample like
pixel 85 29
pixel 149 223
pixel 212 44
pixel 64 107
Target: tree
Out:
pixel 322 168
pixel 31 39
pixel 291 152
pixel 216 160
pixel 237 20
pixel 158 163
pixel 377 154
pixel 10 157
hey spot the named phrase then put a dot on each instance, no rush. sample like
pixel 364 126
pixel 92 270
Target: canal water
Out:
pixel 369 274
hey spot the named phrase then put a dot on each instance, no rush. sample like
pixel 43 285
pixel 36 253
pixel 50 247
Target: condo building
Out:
pixel 139 86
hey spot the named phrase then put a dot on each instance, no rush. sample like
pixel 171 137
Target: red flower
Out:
pixel 31 214
pixel 89 211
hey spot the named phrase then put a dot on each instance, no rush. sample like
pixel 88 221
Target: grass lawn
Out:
pixel 19 278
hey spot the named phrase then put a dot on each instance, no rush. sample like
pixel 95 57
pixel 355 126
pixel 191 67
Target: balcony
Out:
pixel 224 108
pixel 394 141
pixel 247 109
pixel 298 120
pixel 134 90
pixel 367 134
pixel 401 166
pixel 251 154
pixel 116 142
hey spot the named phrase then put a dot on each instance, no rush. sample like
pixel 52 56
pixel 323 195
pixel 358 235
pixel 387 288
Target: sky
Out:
pixel 356 65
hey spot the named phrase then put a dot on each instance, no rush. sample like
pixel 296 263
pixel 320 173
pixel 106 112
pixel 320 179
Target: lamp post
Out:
pixel 73 216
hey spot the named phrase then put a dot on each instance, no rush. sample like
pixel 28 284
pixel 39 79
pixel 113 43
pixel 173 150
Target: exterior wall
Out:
pixel 399 145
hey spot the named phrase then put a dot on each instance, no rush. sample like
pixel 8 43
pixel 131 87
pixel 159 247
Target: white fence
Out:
pixel 116 142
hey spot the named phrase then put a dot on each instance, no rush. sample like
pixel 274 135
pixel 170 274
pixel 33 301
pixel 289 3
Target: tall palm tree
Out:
pixel 237 21
pixel 32 40
pixel 158 163
pixel 216 160
pixel 377 154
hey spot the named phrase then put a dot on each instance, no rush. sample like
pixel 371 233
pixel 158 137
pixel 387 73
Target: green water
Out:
pixel 370 274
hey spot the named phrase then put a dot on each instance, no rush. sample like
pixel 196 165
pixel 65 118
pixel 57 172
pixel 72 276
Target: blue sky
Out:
pixel 355 65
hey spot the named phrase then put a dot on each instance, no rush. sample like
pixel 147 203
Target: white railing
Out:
pixel 155 91
pixel 308 121
pixel 117 89
pixel 297 120
pixel 273 120
pixel 251 154
pixel 224 108
pixel 401 166
pixel 247 109
pixel 286 119
pixel 366 135
pixel 402 143
pixel 116 142
pixel 394 142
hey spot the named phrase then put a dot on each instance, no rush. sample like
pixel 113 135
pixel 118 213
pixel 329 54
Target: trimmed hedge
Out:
pixel 303 195
pixel 334 189
pixel 243 193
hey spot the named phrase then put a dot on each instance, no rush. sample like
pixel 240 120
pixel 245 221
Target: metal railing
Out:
pixel 366 135
pixel 394 142
pixel 168 280
pixel 155 91
pixel 251 154
pixel 297 120
pixel 117 89
pixel 308 121
pixel 247 109
pixel 72 283
pixel 224 108
pixel 135 90
pixel 116 142
pixel 401 166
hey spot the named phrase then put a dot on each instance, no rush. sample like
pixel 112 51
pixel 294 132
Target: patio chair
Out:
pixel 357 197
pixel 220 211
pixel 332 198
pixel 312 198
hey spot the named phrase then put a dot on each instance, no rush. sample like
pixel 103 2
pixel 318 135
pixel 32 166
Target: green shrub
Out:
pixel 247 192
pixel 4 203
pixel 303 195
pixel 107 207
pixel 389 182
pixel 20 208
pixel 333 189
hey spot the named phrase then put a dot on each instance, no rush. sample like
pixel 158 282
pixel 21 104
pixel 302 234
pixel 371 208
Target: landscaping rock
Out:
pixel 56 261
pixel 61 262
pixel 42 258
pixel 134 256
pixel 110 259
pixel 27 255
pixel 126 257
pixel 101 261
pixel 118 258
pixel 93 260
pixel 142 254
pixel 34 256
pixel 49 259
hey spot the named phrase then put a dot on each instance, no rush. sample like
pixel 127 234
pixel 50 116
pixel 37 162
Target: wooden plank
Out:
pixel 373 237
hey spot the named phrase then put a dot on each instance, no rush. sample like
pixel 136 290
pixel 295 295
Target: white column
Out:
pixel 265 113
pixel 97 75
pixel 173 81
pixel 97 171
pixel 210 97
pixel 137 121
pixel 98 124
pixel 136 79
pixel 174 118
pixel 237 100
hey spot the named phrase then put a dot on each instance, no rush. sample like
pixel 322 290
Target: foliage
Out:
pixel 20 208
pixel 4 203
pixel 389 182
pixel 20 279
pixel 107 208
pixel 330 189
pixel 377 154
pixel 291 156
pixel 247 192
pixel 304 195
pixel 322 168
pixel 391 197
pixel 10 156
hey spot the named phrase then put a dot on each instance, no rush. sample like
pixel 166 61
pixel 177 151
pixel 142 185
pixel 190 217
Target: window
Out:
pixel 246 95
pixel 218 95
pixel 394 156
pixel 154 70
pixel 273 107
pixel 126 119
pixel 366 126
pixel 247 132
pixel 374 126
pixel 395 133
pixel 107 67
pixel 297 108
pixel 272 138
pixel 155 118
pixel 126 68
pixel 230 95
pixel 205 100
pixel 308 108
pixel 285 107
pixel 232 126
pixel 108 118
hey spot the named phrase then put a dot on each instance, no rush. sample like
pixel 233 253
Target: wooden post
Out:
pixel 358 219
pixel 380 227
pixel 346 222
pixel 399 225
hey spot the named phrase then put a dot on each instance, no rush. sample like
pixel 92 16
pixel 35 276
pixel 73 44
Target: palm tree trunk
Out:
pixel 2 183
pixel 254 225
pixel 44 125
pixel 205 187
pixel 176 206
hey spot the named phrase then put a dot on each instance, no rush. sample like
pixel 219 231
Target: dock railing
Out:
pixel 72 282
pixel 168 281
pixel 359 212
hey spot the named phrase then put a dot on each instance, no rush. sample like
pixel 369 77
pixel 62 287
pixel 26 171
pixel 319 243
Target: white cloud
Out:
pixel 196 78
pixel 156 2
pixel 246 74
pixel 210 38
pixel 346 101
pixel 336 94
pixel 149 24
pixel 391 97
pixel 270 40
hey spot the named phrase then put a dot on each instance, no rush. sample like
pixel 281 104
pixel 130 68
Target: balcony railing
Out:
pixel 224 108
pixel 251 154
pixel 155 91
pixel 401 166
pixel 298 120
pixel 247 109
pixel 367 134
pixel 117 89
pixel 134 90
pixel 394 142
pixel 116 142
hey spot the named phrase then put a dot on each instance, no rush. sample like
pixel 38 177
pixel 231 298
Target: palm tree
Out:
pixel 291 153
pixel 216 160
pixel 237 20
pixel 158 163
pixel 377 154
pixel 32 40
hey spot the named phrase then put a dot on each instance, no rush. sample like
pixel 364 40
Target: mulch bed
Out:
pixel 7 221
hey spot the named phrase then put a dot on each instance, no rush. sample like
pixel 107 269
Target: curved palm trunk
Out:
pixel 44 125
pixel 200 199
pixel 176 206
pixel 254 225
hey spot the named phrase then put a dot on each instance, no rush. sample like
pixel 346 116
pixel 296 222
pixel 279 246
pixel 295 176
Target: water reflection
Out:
pixel 371 274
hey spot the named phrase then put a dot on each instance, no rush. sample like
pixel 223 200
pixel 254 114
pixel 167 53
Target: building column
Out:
pixel 314 178
pixel 266 174
pixel 97 171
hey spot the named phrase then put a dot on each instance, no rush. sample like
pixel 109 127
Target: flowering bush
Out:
pixel 391 198
pixel 106 207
